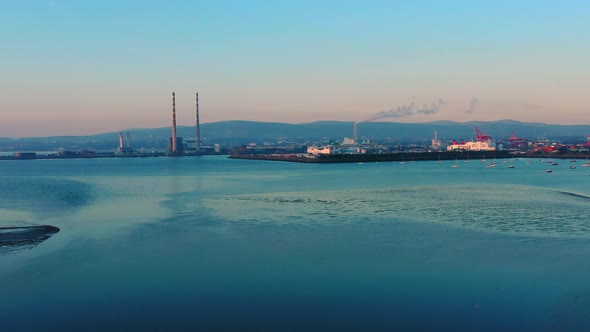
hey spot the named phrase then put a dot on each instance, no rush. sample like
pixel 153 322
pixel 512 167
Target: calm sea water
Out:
pixel 215 244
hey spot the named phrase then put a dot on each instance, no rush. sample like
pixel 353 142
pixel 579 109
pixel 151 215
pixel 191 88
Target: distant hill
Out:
pixel 231 133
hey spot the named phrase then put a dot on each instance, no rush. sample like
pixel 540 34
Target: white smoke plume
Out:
pixel 472 105
pixel 406 110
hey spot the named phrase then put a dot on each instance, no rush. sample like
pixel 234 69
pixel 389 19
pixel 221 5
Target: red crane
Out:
pixel 517 142
pixel 481 136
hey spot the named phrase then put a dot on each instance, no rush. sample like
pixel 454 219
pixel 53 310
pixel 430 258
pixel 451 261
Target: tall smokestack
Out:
pixel 128 141
pixel 173 123
pixel 198 145
pixel 121 141
pixel 355 135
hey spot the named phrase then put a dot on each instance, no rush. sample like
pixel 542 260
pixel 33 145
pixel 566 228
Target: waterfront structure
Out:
pixel 175 145
pixel 25 155
pixel 180 148
pixel 346 149
pixel 124 145
pixel 436 143
pixel 316 150
pixel 471 146
pixel 348 141
pixel 483 142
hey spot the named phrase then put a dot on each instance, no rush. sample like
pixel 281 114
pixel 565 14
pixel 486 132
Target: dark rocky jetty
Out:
pixel 24 237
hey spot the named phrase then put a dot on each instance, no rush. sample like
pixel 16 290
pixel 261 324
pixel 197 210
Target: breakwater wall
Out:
pixel 403 156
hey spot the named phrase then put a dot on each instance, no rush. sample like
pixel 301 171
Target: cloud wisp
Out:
pixel 406 110
pixel 472 105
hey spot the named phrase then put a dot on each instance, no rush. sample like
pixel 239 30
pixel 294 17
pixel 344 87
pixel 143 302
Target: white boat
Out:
pixel 586 164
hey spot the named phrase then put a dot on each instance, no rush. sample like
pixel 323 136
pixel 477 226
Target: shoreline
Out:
pixel 104 155
pixel 334 158
pixel 403 157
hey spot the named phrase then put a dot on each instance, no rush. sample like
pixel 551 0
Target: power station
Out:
pixel 124 148
pixel 176 146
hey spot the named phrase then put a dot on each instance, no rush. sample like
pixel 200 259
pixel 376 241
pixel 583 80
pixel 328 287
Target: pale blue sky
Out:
pixel 80 67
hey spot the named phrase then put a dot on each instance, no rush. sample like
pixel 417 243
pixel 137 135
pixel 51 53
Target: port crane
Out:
pixel 482 136
pixel 517 142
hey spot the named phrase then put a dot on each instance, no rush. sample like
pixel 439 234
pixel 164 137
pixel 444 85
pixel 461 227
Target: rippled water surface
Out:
pixel 216 244
pixel 507 209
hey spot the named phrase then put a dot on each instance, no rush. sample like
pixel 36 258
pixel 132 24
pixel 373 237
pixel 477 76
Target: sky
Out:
pixel 85 67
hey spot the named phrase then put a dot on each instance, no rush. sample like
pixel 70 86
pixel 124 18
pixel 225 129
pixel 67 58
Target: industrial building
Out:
pixel 436 143
pixel 176 146
pixel 124 148
pixel 483 143
pixel 471 146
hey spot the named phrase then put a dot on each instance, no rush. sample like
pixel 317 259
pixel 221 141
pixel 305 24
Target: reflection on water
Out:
pixel 216 244
pixel 41 194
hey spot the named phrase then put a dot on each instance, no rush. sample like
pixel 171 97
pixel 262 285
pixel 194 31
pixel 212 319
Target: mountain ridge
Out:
pixel 236 132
